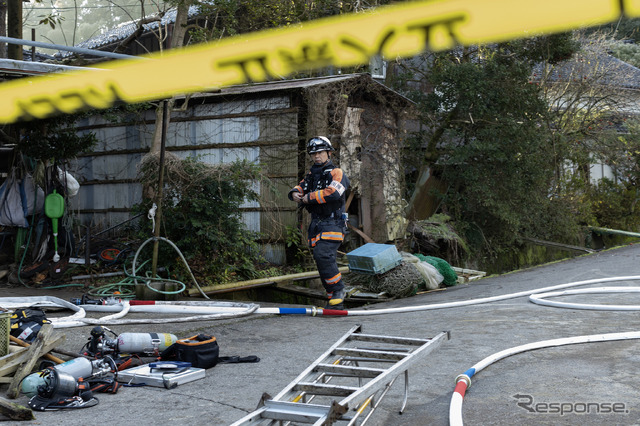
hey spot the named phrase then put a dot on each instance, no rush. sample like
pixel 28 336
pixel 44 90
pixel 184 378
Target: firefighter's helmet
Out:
pixel 319 143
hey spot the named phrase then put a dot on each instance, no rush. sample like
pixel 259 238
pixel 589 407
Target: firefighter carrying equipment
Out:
pixel 326 186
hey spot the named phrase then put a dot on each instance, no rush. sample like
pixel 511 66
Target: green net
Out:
pixel 450 276
pixel 402 281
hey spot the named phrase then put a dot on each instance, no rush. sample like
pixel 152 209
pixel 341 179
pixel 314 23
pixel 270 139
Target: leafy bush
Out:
pixel 201 215
pixel 54 139
pixel 613 205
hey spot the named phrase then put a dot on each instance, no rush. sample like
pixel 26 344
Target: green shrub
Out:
pixel 201 215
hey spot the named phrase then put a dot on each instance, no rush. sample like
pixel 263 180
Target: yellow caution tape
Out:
pixel 401 30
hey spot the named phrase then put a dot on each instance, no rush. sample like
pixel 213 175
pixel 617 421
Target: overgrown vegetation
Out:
pixel 54 139
pixel 201 215
pixel 513 128
pixel 483 137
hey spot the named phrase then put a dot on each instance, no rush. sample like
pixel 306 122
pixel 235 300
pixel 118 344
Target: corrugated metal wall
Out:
pixel 263 130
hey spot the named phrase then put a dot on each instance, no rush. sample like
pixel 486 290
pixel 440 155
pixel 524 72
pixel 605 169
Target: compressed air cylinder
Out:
pixel 147 343
pixel 76 368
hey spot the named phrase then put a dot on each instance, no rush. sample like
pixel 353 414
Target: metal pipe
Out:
pixel 614 231
pixel 20 41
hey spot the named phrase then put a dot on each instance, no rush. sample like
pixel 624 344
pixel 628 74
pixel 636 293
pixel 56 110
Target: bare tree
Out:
pixel 592 99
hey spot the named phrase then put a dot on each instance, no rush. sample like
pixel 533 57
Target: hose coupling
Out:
pixel 464 378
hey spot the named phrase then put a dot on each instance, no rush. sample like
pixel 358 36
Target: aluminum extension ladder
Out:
pixel 359 375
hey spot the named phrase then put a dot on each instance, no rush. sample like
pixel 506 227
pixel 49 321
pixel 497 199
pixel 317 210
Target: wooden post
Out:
pixel 160 193
pixel 14 28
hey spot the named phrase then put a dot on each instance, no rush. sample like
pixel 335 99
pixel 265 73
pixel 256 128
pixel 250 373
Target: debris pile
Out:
pixel 402 281
pixel 379 268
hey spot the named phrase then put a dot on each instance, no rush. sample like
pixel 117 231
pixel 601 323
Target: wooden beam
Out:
pixel 362 234
pixel 11 357
pixel 349 200
pixel 14 364
pixel 15 411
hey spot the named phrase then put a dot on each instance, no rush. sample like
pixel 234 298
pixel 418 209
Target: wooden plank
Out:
pixel 425 199
pixel 12 366
pixel 260 281
pixel 361 233
pixel 12 356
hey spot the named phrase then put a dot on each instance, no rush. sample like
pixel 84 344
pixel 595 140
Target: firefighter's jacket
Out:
pixel 327 186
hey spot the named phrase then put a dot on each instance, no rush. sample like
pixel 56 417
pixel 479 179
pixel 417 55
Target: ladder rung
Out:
pixel 325 389
pixel 388 339
pixel 370 353
pixel 378 379
pixel 295 412
pixel 349 370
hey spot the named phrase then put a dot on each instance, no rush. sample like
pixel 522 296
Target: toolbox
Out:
pixel 374 258
pixel 160 375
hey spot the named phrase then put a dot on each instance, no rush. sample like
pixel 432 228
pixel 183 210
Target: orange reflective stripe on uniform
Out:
pixel 334 279
pixel 328 191
pixel 298 188
pixel 319 197
pixel 314 240
pixel 335 236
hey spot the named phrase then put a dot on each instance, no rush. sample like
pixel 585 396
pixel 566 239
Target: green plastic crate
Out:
pixel 374 258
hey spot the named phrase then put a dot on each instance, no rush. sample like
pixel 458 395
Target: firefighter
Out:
pixel 322 193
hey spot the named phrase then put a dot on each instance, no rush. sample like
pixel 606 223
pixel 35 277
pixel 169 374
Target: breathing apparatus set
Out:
pixel 144 344
pixel 73 384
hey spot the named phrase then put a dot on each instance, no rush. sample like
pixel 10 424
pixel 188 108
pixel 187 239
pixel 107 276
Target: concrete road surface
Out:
pixel 586 384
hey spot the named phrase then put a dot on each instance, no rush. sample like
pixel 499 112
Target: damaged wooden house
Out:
pixel 269 124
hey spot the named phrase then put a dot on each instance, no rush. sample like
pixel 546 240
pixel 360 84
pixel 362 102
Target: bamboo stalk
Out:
pixel 26 345
pixel 261 281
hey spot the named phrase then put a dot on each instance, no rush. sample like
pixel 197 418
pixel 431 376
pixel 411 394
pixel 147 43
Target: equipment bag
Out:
pixel 26 323
pixel 18 199
pixel 202 351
